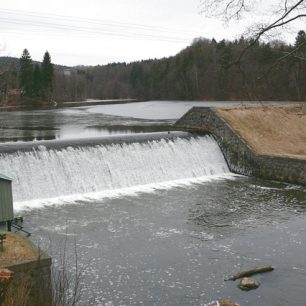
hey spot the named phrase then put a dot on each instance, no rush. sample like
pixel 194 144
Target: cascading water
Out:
pixel 43 173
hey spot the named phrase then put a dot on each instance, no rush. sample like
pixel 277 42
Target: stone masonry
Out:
pixel 238 154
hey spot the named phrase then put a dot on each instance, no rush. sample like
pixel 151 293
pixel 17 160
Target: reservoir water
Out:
pixel 94 121
pixel 155 219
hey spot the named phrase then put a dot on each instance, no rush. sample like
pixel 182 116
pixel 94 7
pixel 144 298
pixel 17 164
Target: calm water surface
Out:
pixel 91 121
pixel 94 121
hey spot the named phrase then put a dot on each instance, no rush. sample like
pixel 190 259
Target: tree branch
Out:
pixel 288 54
pixel 276 24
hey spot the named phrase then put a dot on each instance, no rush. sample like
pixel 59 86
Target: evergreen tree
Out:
pixel 300 41
pixel 26 73
pixel 47 73
pixel 37 81
pixel 300 66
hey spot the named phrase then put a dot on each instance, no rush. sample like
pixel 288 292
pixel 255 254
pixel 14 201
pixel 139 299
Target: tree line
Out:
pixel 205 70
pixel 33 84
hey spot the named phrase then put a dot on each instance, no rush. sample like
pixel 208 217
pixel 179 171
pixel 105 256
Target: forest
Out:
pixel 208 70
pixel 205 70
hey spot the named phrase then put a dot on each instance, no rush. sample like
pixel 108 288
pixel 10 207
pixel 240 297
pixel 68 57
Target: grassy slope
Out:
pixel 270 130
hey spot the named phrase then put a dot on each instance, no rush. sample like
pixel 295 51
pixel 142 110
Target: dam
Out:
pixel 69 168
pixel 153 218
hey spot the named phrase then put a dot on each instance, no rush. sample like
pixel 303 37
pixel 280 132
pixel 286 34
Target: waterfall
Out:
pixel 47 173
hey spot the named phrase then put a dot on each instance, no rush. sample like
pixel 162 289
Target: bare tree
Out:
pixel 279 14
pixel 67 274
pixel 274 15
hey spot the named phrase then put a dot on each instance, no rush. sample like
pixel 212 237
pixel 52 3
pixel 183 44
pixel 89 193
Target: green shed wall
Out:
pixel 6 200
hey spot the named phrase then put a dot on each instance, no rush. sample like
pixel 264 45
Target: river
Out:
pixel 154 222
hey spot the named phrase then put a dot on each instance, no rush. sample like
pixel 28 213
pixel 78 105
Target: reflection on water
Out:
pixel 95 121
pixel 27 138
pixel 176 246
pixel 161 110
pixel 71 132
pixel 71 123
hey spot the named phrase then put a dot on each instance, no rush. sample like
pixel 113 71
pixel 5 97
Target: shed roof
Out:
pixel 4 177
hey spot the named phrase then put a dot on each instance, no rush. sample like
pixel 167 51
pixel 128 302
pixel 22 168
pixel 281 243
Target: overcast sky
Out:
pixel 78 32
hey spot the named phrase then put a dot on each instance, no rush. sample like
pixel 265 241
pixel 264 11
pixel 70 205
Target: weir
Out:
pixel 48 172
pixel 91 141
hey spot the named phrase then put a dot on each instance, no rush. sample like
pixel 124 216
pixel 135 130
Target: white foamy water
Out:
pixel 117 193
pixel 102 170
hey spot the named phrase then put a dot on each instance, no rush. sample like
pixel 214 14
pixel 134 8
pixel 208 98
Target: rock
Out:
pixel 227 303
pixel 248 284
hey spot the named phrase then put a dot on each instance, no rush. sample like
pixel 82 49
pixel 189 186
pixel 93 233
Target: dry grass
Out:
pixel 18 292
pixel 270 130
pixel 16 249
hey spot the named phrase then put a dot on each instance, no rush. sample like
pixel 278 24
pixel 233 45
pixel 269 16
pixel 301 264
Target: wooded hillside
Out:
pixel 206 70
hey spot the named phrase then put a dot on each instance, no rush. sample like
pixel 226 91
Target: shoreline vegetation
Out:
pixel 203 71
pixel 42 105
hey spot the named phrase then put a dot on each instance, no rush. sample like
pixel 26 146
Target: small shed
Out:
pixel 6 199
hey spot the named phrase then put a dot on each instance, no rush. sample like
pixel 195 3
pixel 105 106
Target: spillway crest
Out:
pixel 48 173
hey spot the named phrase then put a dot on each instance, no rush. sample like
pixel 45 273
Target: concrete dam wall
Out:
pixel 241 157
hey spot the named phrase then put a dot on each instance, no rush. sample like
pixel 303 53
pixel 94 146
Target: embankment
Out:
pixel 31 281
pixel 263 141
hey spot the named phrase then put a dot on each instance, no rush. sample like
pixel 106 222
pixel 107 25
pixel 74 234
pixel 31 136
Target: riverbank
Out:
pixel 89 102
pixel 28 270
pixel 97 102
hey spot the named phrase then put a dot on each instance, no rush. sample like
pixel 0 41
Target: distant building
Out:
pixel 67 72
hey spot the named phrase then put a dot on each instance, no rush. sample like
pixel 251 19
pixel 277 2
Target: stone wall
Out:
pixel 239 156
